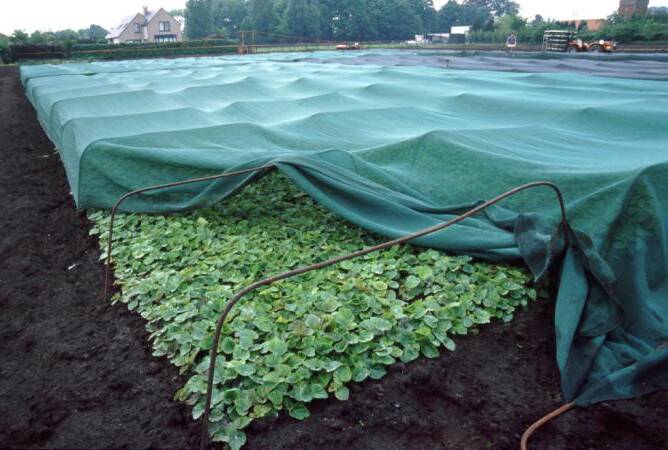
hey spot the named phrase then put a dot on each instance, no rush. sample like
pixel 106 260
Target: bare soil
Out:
pixel 76 372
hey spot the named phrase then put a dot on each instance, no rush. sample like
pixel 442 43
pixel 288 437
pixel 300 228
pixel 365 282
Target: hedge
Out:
pixel 69 50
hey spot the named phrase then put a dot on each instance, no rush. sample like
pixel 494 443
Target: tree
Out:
pixel 635 28
pixel 430 17
pixel 228 15
pixel 4 43
pixel 395 19
pixel 510 23
pixel 37 38
pixel 327 12
pixel 93 33
pixel 450 14
pixel 198 18
pixel 66 35
pixel 496 8
pixel 351 21
pixel 19 37
pixel 538 19
pixel 500 8
pixel 97 33
pixel 180 12
pixel 302 19
pixel 262 17
pixel 477 14
pixel 426 14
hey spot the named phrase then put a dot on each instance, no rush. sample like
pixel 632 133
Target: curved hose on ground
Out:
pixel 542 421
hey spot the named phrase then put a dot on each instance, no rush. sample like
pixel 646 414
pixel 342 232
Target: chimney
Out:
pixel 145 10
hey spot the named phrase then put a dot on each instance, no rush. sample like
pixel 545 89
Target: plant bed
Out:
pixel 301 339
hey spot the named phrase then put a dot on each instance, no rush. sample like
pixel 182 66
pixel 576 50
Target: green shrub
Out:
pixel 151 45
pixel 4 44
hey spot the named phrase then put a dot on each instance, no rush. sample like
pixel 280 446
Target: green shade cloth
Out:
pixel 397 149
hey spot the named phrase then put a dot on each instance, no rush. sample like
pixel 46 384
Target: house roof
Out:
pixel 122 25
pixel 149 14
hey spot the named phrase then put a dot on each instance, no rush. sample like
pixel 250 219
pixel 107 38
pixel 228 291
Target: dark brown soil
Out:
pixel 76 372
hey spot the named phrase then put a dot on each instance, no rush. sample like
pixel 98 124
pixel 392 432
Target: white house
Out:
pixel 151 26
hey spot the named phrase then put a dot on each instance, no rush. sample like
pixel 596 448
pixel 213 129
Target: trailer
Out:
pixel 557 40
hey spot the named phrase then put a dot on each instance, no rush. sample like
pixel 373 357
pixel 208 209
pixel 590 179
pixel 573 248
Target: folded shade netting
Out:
pixel 397 149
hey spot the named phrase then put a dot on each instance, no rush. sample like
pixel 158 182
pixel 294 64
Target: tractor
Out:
pixel 601 46
pixel 349 46
pixel 566 41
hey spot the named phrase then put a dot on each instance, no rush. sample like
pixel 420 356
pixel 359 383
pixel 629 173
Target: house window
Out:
pixel 137 27
pixel 164 26
pixel 165 38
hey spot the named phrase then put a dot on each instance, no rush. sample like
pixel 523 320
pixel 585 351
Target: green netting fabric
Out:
pixel 396 149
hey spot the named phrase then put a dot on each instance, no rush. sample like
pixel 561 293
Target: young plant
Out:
pixel 301 339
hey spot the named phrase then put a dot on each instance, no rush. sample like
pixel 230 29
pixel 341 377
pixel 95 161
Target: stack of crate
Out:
pixel 557 40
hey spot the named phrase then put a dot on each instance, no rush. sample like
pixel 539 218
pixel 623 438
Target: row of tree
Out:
pixel 651 27
pixel 92 34
pixel 318 20
pixel 363 20
pixel 386 20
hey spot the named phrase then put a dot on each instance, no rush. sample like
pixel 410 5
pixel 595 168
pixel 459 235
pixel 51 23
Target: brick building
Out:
pixel 629 7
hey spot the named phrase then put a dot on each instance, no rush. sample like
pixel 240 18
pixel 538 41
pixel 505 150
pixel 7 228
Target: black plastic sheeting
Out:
pixel 647 66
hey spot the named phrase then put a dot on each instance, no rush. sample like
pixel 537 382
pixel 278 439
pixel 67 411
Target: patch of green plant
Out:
pixel 304 338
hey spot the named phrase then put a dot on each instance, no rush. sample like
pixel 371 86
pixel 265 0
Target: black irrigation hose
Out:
pixel 204 439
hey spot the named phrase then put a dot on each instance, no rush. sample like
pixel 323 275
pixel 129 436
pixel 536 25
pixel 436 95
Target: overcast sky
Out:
pixel 54 15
